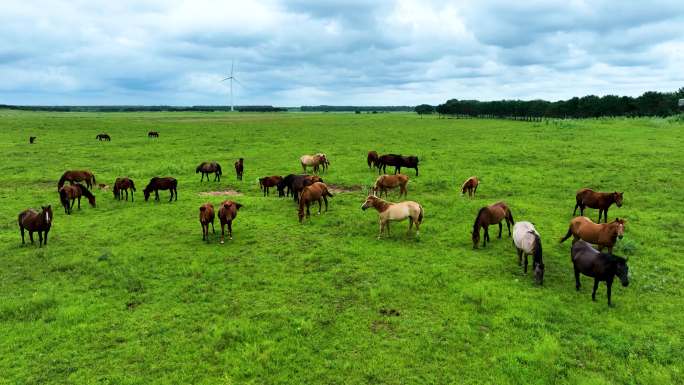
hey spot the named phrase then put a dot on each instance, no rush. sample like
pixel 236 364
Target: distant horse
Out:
pixel 122 185
pixel 32 220
pixel 527 242
pixel 32 139
pixel 470 185
pixel 600 266
pixel 103 136
pixel 267 182
pixel 69 194
pixel 372 159
pixel 491 215
pixel 603 235
pixel 206 217
pixel 207 168
pixel 389 211
pixel 153 134
pixel 314 161
pixel 301 181
pixel 73 176
pixel 227 214
pixel 398 161
pixel 315 192
pixel 157 183
pixel 326 161
pixel 596 200
pixel 239 168
pixel 388 182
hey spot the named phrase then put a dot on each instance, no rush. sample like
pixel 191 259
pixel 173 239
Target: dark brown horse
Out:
pixel 602 267
pixel 398 161
pixel 32 220
pixel 73 176
pixel 32 139
pixel 69 194
pixel 206 217
pixel 153 134
pixel 470 185
pixel 596 200
pixel 315 192
pixel 267 182
pixel 122 185
pixel 601 234
pixel 372 159
pixel 239 168
pixel 227 214
pixel 157 183
pixel 102 137
pixel 491 215
pixel 301 181
pixel 207 168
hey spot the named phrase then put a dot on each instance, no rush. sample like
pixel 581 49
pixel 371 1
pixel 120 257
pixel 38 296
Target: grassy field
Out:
pixel 127 293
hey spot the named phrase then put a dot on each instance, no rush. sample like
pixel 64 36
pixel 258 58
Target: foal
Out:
pixel 32 220
pixel 123 185
pixel 470 185
pixel 389 211
pixel 239 168
pixel 70 193
pixel 491 215
pixel 227 214
pixel 206 217
pixel 312 193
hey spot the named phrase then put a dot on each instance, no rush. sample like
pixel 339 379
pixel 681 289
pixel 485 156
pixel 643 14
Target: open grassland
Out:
pixel 127 293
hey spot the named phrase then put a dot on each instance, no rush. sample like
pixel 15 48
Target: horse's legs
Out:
pixel 31 235
pixel 500 228
pixel 131 194
pixel 204 233
pixel 519 252
pixel 222 231
pixel 40 239
pixel 325 199
pixel 609 285
pixel 21 228
pixel 382 228
pixel 387 225
pixel 605 215
pixel 308 206
pixel 410 221
pixel 526 263
pixel 79 202
pixel 508 224
pixel 45 240
pixel 593 293
pixel 213 231
pixel 230 229
pixel 320 206
pixel 171 192
pixel 575 210
pixel 485 238
pixel 577 278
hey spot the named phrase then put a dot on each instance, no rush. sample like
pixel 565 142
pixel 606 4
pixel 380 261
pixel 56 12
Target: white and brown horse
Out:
pixel 389 211
pixel 527 242
pixel 315 161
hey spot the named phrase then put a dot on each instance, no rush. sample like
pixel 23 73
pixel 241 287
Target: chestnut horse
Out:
pixel 207 168
pixel 239 168
pixel 267 182
pixel 227 214
pixel 600 266
pixel 316 192
pixel 70 193
pixel 601 234
pixel 596 200
pixel 470 185
pixel 32 220
pixel 206 216
pixel 314 161
pixel 73 176
pixel 325 163
pixel 389 211
pixel 372 159
pixel 157 183
pixel 102 137
pixel 388 182
pixel 491 215
pixel 123 185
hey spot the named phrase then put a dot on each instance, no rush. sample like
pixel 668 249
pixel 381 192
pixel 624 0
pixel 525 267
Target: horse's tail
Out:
pixel 509 216
pixel 420 215
pixel 328 193
pixel 261 184
pixel 568 235
pixel 92 176
pixel 132 185
pixel 61 181
pixel 301 207
pixel 218 169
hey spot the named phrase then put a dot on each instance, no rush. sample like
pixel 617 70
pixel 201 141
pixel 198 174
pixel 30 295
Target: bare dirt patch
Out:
pixel 219 193
pixel 336 188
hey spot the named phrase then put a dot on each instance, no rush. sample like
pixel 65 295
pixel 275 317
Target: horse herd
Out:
pixel 307 189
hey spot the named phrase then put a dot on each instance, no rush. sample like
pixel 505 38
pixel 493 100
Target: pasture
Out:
pixel 128 293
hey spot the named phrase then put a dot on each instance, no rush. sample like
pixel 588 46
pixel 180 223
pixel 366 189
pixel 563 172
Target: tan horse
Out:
pixel 389 211
pixel 388 182
pixel 491 215
pixel 603 235
pixel 315 192
pixel 227 214
pixel 314 161
pixel 470 185
pixel 206 217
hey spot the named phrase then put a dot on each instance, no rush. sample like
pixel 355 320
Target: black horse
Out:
pixel 398 161
pixel 157 184
pixel 104 137
pixel 600 266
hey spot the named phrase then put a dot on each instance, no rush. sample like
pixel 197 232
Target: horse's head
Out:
pixel 475 235
pixel 91 200
pixel 621 270
pixel 47 214
pixel 370 202
pixel 539 272
pixel 617 197
pixel 146 193
pixel 619 227
pixel 199 168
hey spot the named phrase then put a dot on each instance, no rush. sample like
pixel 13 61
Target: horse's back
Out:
pixel 523 236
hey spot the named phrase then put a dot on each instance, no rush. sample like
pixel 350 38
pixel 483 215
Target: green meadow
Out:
pixel 127 292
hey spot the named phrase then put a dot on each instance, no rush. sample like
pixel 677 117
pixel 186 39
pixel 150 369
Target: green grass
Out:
pixel 127 293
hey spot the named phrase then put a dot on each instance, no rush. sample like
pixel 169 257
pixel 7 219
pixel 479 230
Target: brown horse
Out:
pixel 227 214
pixel 301 181
pixel 372 159
pixel 207 168
pixel 206 217
pixel 470 185
pixel 603 235
pixel 491 215
pixel 153 134
pixel 32 220
pixel 239 168
pixel 389 211
pixel 102 137
pixel 315 192
pixel 69 194
pixel 267 182
pixel 596 200
pixel 388 182
pixel 157 183
pixel 73 176
pixel 122 185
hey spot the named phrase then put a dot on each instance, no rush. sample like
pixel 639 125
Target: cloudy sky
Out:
pixel 291 53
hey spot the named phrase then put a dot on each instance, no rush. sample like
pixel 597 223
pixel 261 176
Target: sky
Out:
pixel 292 53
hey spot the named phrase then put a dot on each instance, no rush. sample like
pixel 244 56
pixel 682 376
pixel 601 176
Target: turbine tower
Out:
pixel 231 78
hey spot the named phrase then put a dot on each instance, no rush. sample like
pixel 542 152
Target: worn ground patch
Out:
pixel 219 193
pixel 336 188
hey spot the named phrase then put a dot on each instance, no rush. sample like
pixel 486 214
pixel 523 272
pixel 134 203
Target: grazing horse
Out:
pixel 32 220
pixel 227 214
pixel 600 266
pixel 267 182
pixel 32 139
pixel 372 159
pixel 312 193
pixel 398 161
pixel 527 242
pixel 153 134
pixel 206 217
pixel 470 185
pixel 491 215
pixel 239 168
pixel 389 211
pixel 207 168
pixel 123 185
pixel 157 183
pixel 301 181
pixel 596 200
pixel 73 176
pixel 601 234
pixel 326 163
pixel 69 194
pixel 102 137
pixel 314 161
pixel 388 182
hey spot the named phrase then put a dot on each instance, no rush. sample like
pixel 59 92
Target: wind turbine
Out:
pixel 231 78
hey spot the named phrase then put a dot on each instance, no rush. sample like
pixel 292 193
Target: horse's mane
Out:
pixel 62 180
pixel 465 183
pixel 537 257
pixel 613 258
pixel 477 219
